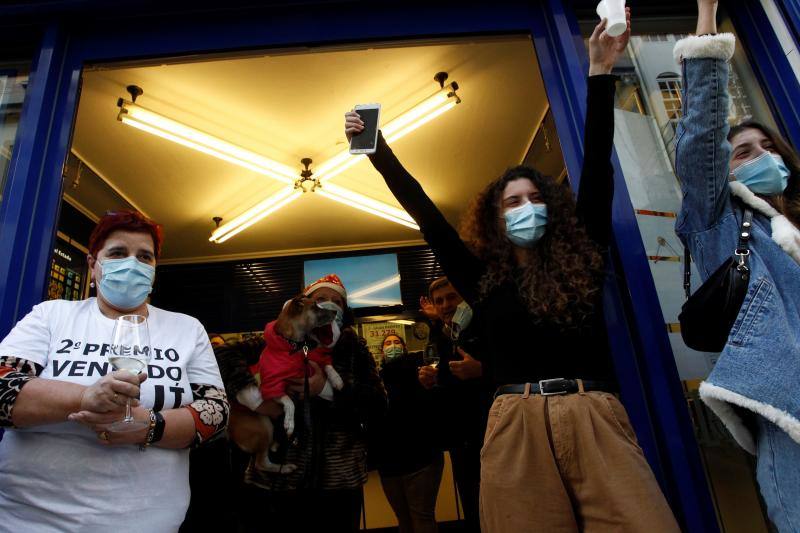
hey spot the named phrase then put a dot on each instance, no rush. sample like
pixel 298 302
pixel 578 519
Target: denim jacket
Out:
pixel 759 368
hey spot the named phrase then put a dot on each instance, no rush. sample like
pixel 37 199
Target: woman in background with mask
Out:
pixel 408 459
pixel 753 385
pixel 532 270
pixel 62 468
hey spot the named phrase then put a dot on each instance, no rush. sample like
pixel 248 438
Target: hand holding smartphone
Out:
pixel 366 142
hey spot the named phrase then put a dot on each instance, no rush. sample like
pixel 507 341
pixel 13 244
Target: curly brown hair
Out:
pixel 560 278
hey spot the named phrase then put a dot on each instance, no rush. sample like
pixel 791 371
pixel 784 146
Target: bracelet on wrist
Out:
pixel 148 439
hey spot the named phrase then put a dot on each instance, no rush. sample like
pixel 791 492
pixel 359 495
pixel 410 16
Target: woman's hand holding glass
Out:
pixel 102 424
pixel 111 392
pixel 104 403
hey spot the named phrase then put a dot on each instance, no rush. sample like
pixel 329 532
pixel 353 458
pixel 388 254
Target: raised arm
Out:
pixel 703 153
pixel 462 268
pixel 596 190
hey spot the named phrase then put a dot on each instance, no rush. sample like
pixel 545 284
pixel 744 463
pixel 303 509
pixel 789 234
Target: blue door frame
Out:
pixel 645 365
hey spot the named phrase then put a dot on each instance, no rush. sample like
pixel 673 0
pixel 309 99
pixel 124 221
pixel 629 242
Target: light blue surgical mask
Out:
pixel 333 307
pixel 461 318
pixel 125 283
pixel 526 224
pixel 766 174
pixel 395 350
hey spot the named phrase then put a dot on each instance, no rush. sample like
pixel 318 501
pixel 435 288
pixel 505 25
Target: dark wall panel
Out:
pixel 244 295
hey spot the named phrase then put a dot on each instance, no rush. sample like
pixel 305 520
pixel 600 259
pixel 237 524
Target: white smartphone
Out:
pixel 366 142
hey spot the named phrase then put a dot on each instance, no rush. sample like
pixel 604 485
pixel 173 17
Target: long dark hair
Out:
pixel 787 203
pixel 560 278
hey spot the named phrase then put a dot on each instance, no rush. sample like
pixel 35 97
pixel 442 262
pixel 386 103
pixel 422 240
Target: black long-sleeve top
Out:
pixel 519 348
pixel 407 440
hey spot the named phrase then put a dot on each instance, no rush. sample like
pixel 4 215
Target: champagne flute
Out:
pixel 130 350
pixel 431 356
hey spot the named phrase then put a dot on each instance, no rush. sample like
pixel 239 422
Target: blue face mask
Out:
pixel 125 283
pixel 766 174
pixel 333 307
pixel 461 319
pixel 395 350
pixel 526 224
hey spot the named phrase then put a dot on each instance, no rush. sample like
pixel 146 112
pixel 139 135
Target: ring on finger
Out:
pixel 114 398
pixel 103 435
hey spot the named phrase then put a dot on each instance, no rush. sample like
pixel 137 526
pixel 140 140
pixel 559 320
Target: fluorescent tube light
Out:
pixel 254 214
pixel 442 101
pixel 348 197
pixel 145 120
pixel 373 301
pixel 375 287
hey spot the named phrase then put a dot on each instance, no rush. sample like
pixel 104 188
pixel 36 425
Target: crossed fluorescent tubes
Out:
pixel 153 123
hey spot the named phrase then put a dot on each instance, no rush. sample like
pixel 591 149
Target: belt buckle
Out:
pixel 542 383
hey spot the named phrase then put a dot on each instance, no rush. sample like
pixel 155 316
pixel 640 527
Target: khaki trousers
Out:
pixel 567 463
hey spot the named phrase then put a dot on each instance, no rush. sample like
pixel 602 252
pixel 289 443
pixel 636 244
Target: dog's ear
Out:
pixel 295 306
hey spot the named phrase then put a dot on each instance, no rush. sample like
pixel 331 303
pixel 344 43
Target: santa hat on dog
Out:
pixel 331 281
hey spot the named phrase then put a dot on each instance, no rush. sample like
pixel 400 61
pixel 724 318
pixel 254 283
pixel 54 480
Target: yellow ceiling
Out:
pixel 287 106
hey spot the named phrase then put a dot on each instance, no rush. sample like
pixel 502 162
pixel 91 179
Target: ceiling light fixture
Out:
pixel 254 214
pixel 442 101
pixel 143 119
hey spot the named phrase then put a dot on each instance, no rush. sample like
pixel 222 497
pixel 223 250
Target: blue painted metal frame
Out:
pixel 790 9
pixel 32 196
pixel 654 369
pixel 768 60
pixel 644 360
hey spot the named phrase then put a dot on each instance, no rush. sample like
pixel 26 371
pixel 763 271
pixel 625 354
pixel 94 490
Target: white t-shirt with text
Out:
pixel 56 477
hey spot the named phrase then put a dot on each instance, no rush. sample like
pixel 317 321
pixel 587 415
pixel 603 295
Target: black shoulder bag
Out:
pixel 708 315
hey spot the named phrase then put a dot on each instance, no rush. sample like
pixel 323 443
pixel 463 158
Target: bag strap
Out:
pixel 742 252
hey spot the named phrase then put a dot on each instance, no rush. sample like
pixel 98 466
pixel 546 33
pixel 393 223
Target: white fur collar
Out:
pixel 720 46
pixel 784 233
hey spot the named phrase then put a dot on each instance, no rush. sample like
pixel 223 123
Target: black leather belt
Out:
pixel 551 387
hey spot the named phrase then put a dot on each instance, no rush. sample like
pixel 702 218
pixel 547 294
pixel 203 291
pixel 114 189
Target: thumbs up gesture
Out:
pixel 467 368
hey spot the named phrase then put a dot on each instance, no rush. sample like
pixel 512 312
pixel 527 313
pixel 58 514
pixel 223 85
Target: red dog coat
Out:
pixel 278 363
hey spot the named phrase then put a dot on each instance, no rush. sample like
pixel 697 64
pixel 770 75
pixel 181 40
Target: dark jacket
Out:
pixel 406 440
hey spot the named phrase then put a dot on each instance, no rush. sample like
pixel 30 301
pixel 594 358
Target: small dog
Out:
pixel 282 359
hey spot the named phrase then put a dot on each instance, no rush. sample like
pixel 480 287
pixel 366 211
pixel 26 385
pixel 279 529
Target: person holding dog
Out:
pixel 62 467
pixel 407 454
pixel 326 488
pixel 559 452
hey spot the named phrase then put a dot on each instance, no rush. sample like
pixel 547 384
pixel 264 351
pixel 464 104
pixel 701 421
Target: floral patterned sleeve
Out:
pixel 15 373
pixel 210 410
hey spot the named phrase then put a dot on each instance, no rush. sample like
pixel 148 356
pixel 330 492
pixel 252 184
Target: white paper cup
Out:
pixel 614 11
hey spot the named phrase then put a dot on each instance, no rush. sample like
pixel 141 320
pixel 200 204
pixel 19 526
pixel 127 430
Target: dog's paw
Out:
pixel 334 378
pixel 336 382
pixel 275 468
pixel 288 468
pixel 250 397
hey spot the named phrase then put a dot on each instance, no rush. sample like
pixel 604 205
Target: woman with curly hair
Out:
pixel 559 454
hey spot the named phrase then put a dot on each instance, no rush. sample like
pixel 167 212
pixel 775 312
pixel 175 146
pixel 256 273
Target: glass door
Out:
pixel 648 108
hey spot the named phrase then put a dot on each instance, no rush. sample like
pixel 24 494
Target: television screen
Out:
pixel 370 280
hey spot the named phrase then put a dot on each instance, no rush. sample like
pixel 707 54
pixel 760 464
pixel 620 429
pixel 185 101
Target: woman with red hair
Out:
pixel 62 467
